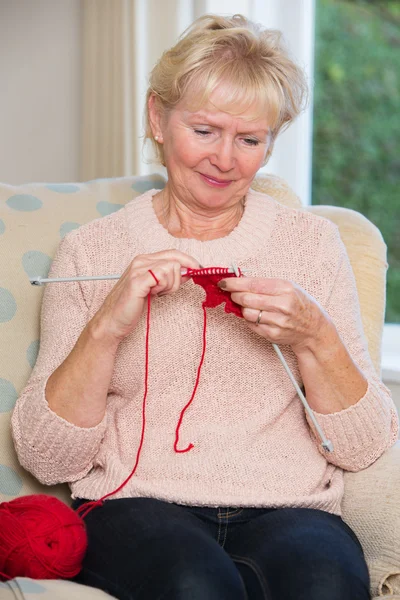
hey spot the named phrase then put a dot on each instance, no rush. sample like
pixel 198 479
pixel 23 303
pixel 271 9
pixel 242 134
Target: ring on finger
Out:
pixel 259 317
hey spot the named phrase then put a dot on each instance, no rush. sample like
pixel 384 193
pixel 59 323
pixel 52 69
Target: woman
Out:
pixel 234 497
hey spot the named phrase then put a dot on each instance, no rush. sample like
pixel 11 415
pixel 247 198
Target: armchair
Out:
pixel 33 219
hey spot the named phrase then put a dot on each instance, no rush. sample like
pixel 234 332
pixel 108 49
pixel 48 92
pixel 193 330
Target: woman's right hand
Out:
pixel 123 306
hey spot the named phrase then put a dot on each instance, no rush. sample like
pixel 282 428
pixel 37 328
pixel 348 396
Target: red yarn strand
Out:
pixel 211 275
pixel 89 506
pixel 195 386
pixel 40 536
pixel 154 277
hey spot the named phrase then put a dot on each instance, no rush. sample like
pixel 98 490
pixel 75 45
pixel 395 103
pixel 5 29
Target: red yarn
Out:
pixel 208 279
pixel 195 387
pixel 86 508
pixel 40 537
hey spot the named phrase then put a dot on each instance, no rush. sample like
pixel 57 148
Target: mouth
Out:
pixel 221 183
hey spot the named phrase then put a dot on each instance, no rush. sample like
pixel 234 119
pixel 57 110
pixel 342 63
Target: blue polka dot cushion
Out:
pixel 33 219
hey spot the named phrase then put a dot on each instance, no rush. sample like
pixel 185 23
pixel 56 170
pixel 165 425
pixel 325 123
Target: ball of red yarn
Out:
pixel 40 537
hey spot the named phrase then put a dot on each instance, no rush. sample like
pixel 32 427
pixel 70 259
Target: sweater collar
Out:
pixel 252 231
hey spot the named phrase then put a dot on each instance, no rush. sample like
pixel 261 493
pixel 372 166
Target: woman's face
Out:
pixel 211 156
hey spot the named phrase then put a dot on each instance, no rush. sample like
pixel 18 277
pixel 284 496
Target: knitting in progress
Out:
pixel 40 537
pixel 208 280
pixel 253 444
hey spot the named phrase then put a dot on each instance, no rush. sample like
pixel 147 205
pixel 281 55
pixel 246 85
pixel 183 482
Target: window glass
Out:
pixel 356 131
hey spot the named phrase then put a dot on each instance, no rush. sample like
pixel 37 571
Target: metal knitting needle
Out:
pixel 41 280
pixel 326 444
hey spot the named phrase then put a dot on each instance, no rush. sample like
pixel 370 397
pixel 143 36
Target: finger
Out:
pixel 267 318
pixel 269 332
pixel 165 273
pixel 185 260
pixel 177 277
pixel 169 277
pixel 148 280
pixel 256 285
pixel 153 280
pixel 262 302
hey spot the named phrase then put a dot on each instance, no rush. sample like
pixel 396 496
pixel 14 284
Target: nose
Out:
pixel 223 156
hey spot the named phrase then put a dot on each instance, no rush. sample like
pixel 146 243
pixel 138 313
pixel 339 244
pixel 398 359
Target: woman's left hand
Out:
pixel 279 310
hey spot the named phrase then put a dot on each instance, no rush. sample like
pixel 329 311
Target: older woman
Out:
pixel 234 497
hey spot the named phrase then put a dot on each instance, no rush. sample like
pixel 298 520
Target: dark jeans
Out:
pixel 147 549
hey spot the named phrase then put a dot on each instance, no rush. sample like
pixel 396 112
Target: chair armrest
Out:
pixel 24 588
pixel 371 508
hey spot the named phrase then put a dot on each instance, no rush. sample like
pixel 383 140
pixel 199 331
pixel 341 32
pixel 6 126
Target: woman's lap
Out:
pixel 300 554
pixel 146 548
pixel 142 548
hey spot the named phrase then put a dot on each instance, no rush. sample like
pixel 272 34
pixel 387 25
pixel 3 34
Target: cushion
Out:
pixel 33 219
pixel 367 252
pixel 23 588
pixel 371 508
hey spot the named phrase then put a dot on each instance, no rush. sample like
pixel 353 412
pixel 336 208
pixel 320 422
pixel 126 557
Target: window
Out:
pixel 356 127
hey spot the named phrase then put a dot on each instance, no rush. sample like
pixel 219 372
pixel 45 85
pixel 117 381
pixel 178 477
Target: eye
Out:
pixel 251 142
pixel 202 132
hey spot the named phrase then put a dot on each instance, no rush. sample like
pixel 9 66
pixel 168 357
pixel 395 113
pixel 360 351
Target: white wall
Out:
pixel 40 67
pixel 40 71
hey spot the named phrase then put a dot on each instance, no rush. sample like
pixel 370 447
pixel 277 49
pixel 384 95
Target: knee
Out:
pixel 325 580
pixel 333 581
pixel 198 581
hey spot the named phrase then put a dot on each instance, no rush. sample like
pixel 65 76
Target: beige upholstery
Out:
pixel 33 218
pixel 367 253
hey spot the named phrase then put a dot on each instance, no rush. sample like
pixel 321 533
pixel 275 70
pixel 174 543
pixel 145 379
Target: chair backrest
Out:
pixel 33 219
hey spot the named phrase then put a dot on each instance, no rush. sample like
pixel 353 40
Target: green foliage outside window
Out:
pixel 356 138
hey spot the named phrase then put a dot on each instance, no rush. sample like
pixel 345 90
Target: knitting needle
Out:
pixel 41 281
pixel 326 444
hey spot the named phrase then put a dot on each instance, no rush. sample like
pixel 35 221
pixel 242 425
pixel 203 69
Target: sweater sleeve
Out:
pixel 361 433
pixel 51 448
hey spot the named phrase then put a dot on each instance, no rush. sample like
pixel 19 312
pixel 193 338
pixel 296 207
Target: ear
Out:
pixel 155 116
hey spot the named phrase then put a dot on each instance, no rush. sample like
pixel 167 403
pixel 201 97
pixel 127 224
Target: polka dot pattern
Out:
pixel 33 219
pixel 32 353
pixel 24 202
pixel 36 263
pixel 33 214
pixel 67 227
pixel 8 396
pixel 63 188
pixel 107 208
pixel 26 586
pixel 10 481
pixel 8 305
pixel 142 185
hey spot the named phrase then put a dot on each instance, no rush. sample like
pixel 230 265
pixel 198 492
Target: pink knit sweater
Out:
pixel 253 445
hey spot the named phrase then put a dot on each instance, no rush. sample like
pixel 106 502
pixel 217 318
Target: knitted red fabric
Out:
pixel 208 279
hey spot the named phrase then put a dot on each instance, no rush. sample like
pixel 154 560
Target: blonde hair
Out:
pixel 252 61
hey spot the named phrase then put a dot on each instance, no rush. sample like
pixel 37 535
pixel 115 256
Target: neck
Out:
pixel 184 221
